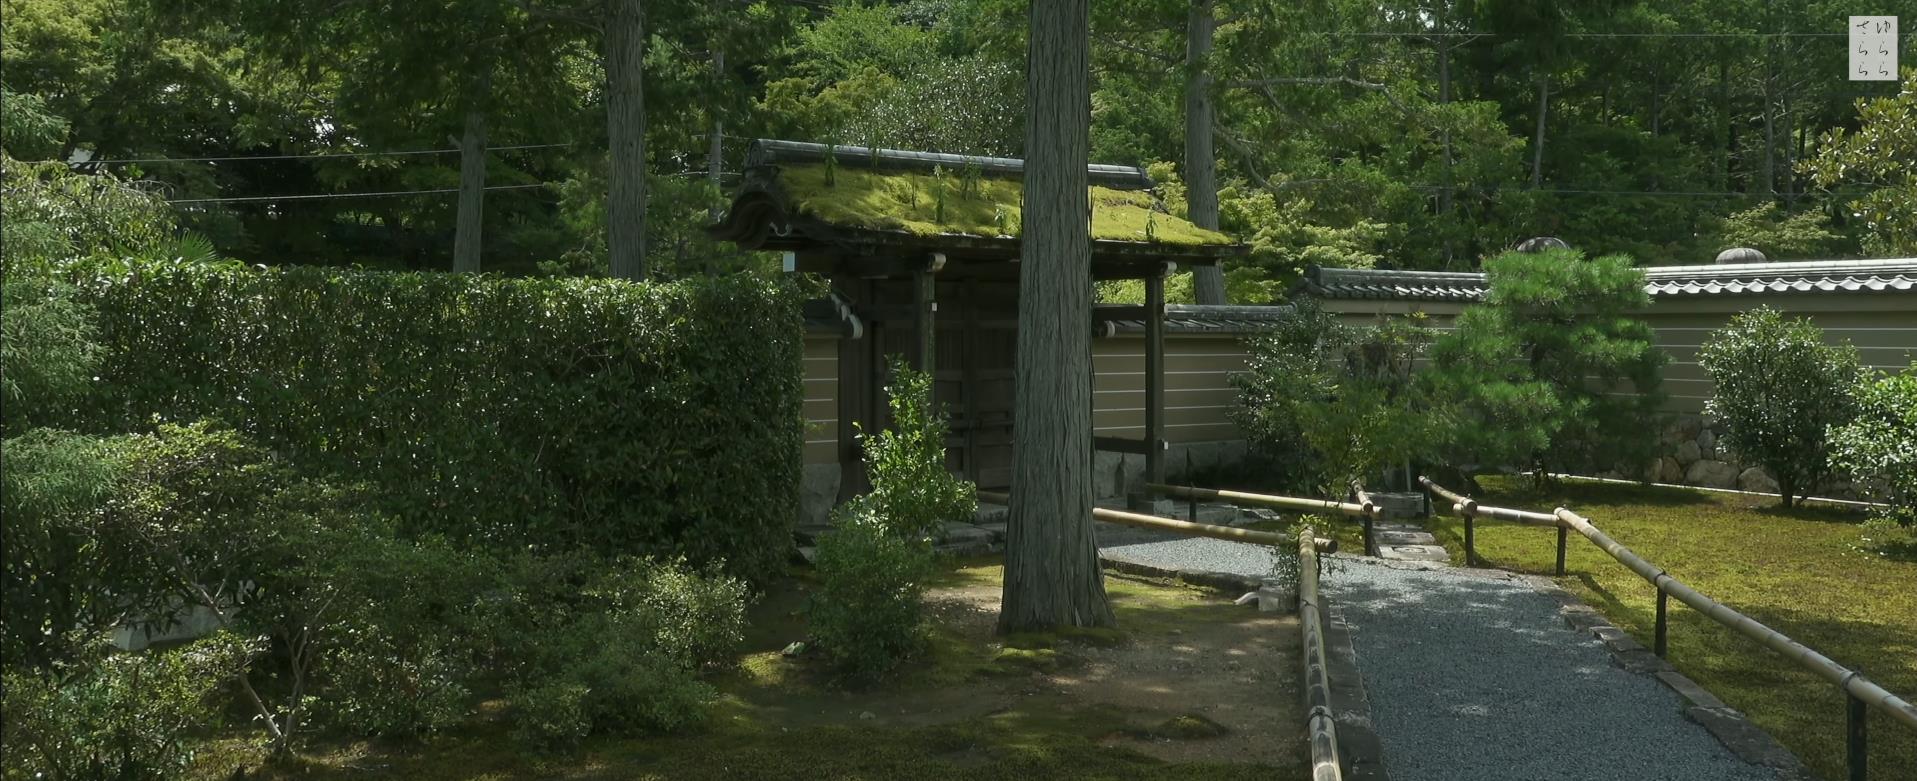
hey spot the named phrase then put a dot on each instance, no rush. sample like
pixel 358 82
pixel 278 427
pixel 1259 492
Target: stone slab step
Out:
pixel 1428 553
pixel 1395 537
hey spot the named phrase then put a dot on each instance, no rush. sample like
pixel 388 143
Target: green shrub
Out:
pixel 1879 446
pixel 1324 404
pixel 69 574
pixel 48 352
pixel 866 614
pixel 1553 372
pixel 638 418
pixel 1779 390
pixel 117 717
pixel 912 491
pixel 622 652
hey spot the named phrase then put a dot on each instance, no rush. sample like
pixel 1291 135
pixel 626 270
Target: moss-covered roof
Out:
pixel 947 202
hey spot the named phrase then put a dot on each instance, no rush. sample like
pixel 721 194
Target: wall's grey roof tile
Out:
pixel 1897 275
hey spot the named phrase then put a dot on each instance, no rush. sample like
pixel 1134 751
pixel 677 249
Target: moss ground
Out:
pixel 911 202
pixel 973 706
pixel 1796 571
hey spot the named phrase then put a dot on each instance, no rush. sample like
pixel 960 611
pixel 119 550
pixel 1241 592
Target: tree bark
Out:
pixel 472 190
pixel 625 55
pixel 1537 142
pixel 1201 159
pixel 1444 99
pixel 715 143
pixel 1052 576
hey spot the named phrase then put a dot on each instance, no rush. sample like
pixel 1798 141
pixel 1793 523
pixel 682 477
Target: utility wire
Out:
pixel 236 158
pixel 324 196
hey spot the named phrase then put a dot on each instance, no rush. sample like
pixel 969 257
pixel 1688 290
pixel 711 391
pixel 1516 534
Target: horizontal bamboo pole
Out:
pixel 1262 500
pixel 1847 679
pixel 1143 521
pixel 1465 505
pixel 1323 729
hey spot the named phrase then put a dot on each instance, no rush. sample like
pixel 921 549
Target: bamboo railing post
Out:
pixel 1371 543
pixel 1469 510
pixel 1661 642
pixel 1563 535
pixel 1856 737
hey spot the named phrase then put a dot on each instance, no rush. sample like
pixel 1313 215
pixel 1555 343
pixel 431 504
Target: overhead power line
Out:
pixel 315 155
pixel 325 196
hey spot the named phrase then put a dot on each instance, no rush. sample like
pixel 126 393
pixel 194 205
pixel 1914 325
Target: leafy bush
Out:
pixel 119 717
pixel 69 575
pixel 1324 404
pixel 912 491
pixel 1879 445
pixel 1552 372
pixel 866 614
pixel 48 352
pixel 638 418
pixel 623 653
pixel 1779 390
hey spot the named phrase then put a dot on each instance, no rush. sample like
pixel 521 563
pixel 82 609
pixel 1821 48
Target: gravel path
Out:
pixel 1473 675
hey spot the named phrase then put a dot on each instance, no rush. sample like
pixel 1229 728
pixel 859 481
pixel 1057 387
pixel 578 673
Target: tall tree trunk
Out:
pixel 1201 160
pixel 1767 182
pixel 715 146
pixel 1444 99
pixel 1052 577
pixel 472 189
pixel 1537 141
pixel 625 55
pixel 1724 142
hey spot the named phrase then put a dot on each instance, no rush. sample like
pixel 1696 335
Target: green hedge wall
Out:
pixel 659 418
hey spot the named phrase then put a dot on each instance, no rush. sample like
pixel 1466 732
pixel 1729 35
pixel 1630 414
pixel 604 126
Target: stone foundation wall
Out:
pixel 1693 452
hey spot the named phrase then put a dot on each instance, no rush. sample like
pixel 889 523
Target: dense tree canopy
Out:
pixel 1410 133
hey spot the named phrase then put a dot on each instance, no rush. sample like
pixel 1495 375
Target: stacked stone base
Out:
pixel 1693 452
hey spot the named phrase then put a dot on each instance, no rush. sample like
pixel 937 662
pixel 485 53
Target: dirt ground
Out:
pixel 1182 653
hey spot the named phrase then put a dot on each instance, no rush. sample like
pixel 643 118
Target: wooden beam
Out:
pixel 1155 376
pixel 1137 447
pixel 925 309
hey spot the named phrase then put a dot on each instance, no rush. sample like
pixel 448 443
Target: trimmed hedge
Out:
pixel 656 419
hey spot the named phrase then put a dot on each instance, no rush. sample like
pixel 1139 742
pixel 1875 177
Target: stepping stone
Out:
pixel 965 533
pixel 1395 537
pixel 1430 553
pixel 997 528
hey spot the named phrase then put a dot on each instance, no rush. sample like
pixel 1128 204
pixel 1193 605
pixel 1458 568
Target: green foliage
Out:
pixel 1552 371
pixel 657 418
pixel 1779 391
pixel 866 614
pixel 48 352
pixel 872 566
pixel 28 128
pixel 623 653
pixel 1878 156
pixel 121 717
pixel 69 575
pixel 1879 445
pixel 1797 236
pixel 1325 404
pixel 53 213
pixel 912 491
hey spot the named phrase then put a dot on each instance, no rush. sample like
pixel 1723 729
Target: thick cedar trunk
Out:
pixel 1201 161
pixel 472 191
pixel 625 55
pixel 1052 576
pixel 1537 141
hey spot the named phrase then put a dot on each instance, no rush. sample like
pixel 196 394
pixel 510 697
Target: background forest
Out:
pixel 1404 133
